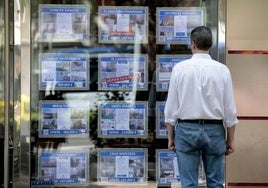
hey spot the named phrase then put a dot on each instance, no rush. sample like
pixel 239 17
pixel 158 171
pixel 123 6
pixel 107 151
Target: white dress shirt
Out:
pixel 200 88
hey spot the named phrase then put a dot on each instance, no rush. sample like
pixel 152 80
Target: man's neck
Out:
pixel 200 51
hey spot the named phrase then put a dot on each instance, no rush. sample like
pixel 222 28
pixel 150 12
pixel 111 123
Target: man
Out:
pixel 199 106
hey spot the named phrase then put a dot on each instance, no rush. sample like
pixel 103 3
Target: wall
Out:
pixel 247 58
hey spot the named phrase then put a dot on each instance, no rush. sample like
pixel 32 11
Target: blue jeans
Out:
pixel 193 140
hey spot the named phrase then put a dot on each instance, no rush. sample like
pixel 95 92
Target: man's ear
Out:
pixel 193 45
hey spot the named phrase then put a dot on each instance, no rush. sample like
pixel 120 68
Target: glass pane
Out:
pixel 98 91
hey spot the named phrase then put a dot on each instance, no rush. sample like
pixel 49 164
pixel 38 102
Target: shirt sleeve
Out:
pixel 172 102
pixel 229 104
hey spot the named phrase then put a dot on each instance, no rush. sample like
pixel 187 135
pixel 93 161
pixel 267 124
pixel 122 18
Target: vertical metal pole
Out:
pixel 222 30
pixel 222 4
pixel 6 97
pixel 25 82
pixel 25 70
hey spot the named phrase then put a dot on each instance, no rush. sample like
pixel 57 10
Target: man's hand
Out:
pixel 229 148
pixel 230 140
pixel 171 145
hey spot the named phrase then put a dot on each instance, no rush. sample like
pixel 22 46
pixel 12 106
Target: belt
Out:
pixel 201 121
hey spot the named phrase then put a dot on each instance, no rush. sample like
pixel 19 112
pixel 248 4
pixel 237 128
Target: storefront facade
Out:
pixel 86 83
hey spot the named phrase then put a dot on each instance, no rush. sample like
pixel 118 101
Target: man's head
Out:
pixel 201 38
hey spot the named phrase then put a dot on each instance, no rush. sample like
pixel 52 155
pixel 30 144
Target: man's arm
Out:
pixel 230 140
pixel 171 144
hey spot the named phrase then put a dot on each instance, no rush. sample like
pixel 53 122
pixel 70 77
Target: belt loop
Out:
pixel 176 125
pixel 201 122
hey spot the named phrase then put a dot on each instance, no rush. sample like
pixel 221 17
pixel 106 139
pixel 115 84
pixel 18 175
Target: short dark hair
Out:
pixel 202 36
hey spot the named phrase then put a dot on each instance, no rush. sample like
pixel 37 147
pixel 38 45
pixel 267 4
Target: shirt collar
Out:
pixel 203 56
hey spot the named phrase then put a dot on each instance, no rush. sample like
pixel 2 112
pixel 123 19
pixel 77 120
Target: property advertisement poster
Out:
pixel 165 64
pixel 167 168
pixel 69 168
pixel 63 23
pixel 161 128
pixel 64 118
pixel 123 72
pixel 63 71
pixel 122 119
pixel 174 25
pixel 123 24
pixel 122 166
